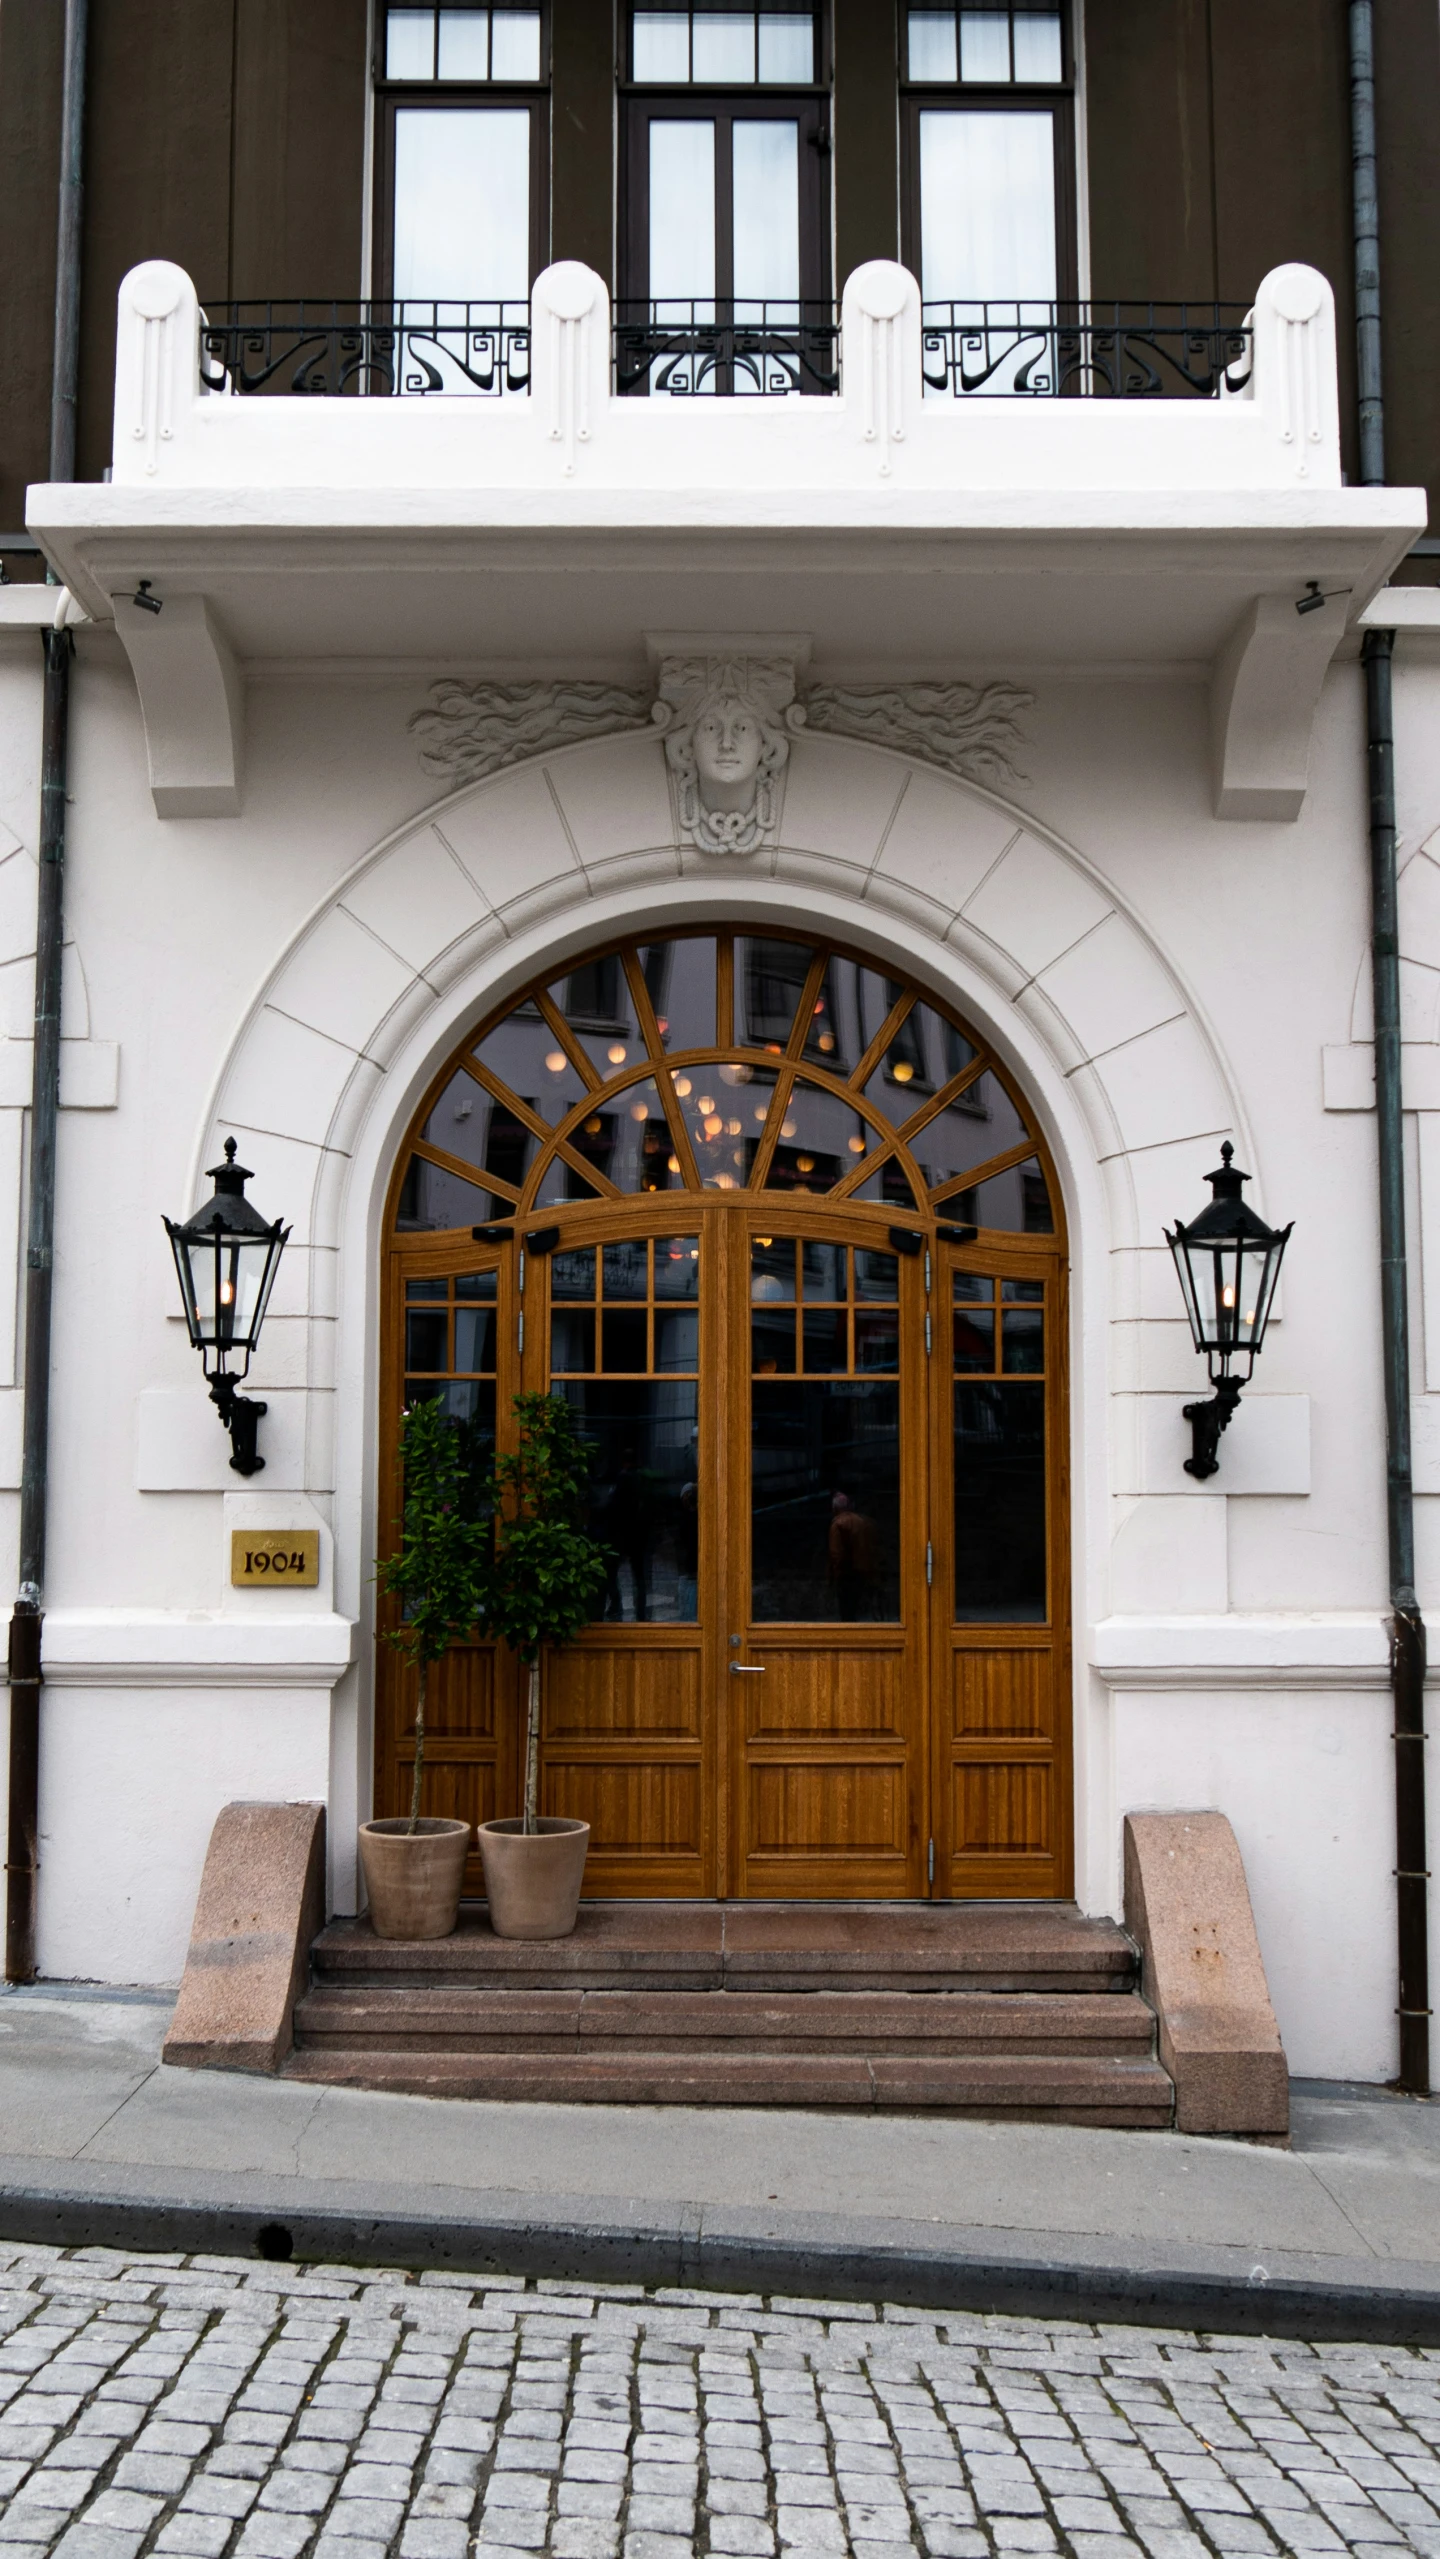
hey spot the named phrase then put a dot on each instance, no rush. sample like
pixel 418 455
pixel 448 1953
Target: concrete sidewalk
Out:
pixel 1340 2236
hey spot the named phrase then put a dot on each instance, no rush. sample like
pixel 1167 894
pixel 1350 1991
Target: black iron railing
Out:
pixel 351 350
pixel 766 350
pixel 1086 350
pixel 763 349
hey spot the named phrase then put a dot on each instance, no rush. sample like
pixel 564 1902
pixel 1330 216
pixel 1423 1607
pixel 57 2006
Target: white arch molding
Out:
pixel 945 881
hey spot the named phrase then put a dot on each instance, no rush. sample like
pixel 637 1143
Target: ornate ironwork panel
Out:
pixel 366 349
pixel 1086 350
pixel 764 349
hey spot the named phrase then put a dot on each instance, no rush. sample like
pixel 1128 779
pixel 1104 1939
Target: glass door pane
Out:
pixel 462 204
pixel 824 1434
pixel 766 231
pixel 987 206
pixel 625 1354
pixel 682 217
pixel 767 214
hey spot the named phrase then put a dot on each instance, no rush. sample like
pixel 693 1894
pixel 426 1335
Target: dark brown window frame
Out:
pixel 808 103
pixel 438 94
pixel 985 97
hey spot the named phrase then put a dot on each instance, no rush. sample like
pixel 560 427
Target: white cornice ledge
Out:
pixel 1281 1651
pixel 170 1648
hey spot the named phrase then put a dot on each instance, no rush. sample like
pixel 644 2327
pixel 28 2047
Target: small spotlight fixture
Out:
pixel 1227 1261
pixel 1315 595
pixel 147 602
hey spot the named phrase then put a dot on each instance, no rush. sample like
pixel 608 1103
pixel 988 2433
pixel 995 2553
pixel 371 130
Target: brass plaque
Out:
pixel 270 1558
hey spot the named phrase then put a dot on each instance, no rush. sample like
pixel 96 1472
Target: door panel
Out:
pixel 1001 1638
pixel 619 1319
pixel 827 1597
pixel 450 1331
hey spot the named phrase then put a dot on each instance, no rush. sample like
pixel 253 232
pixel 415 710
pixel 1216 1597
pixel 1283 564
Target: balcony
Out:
pixel 746 350
pixel 961 490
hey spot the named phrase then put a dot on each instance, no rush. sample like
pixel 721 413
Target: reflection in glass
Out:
pixel 822 1138
pixel 644 1492
pixel 523 1053
pixel 573 1274
pixel 462 204
pixel 825 1501
pixel 470 1402
pixel 999 1461
pixel 931 54
pixel 464 51
pixel 1024 1335
pixel 987 207
pixel 559 1182
pixel 515 44
pixel 1013 1203
pixel 662 44
pixel 769 982
pixel 726 1108
pixel 680 981
pixel 682 212
pixel 724 44
pixel 677 1265
pixel 767 209
pixel 982 1123
pixel 787 47
pixel 1038 52
pixel 474 1338
pixel 923 1055
pixel 432 1201
pixel 427 1341
pixel 984 44
pixel 410 44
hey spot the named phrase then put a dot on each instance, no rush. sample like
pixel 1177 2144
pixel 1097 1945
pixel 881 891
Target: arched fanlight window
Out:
pixel 720 1062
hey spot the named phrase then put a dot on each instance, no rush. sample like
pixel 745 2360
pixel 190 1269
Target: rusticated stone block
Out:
pixel 261 1906
pixel 1188 1907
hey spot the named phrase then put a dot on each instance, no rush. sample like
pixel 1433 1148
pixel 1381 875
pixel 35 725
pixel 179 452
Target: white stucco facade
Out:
pixel 1162 928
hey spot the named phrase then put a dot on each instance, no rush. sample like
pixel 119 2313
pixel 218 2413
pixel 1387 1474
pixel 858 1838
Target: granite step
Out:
pixel 774 1946
pixel 405 2020
pixel 1063 2088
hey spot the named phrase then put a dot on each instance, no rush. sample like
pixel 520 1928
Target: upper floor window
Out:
pixel 725 217
pixel 989 153
pixel 726 47
pixel 985 46
pixel 460 159
pixel 462 44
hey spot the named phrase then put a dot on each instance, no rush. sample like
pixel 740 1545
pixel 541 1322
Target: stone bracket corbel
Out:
pixel 192 700
pixel 1264 694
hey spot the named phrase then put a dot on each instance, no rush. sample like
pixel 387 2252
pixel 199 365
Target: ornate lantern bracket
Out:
pixel 226 1258
pixel 1227 1261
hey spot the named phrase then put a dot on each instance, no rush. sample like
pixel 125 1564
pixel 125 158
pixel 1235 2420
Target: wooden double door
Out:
pixel 827 1464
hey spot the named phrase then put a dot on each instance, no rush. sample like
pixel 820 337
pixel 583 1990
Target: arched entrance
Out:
pixel 786 1236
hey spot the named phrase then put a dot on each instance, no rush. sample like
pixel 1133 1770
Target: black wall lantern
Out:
pixel 1228 1260
pixel 227 1258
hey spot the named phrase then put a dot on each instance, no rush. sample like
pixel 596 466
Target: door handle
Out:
pixel 747 1670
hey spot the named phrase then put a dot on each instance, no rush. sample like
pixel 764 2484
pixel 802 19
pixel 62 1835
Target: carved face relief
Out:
pixel 729 742
pixel 726 722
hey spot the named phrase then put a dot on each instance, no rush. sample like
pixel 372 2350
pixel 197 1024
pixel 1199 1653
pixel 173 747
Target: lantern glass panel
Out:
pixel 229 1285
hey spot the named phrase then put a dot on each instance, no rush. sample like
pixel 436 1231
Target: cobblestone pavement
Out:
pixel 204 2406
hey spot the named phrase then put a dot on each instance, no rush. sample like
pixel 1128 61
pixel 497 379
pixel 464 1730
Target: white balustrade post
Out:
pixel 1294 380
pixel 157 366
pixel 569 357
pixel 880 375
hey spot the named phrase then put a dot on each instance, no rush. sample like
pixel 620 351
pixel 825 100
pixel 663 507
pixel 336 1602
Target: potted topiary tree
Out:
pixel 545 1581
pixel 414 1868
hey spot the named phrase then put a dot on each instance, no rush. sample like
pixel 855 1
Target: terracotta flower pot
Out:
pixel 533 1885
pixel 414 1880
